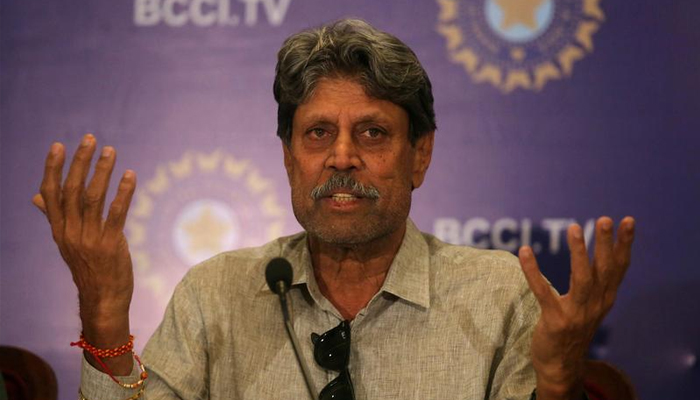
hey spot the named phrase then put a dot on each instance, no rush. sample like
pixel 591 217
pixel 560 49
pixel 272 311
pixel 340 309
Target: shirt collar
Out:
pixel 295 250
pixel 408 277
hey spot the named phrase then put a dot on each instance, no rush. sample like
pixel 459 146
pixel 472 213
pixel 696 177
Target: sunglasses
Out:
pixel 332 352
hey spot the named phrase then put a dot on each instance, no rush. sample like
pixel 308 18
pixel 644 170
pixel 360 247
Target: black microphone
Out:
pixel 279 271
pixel 278 275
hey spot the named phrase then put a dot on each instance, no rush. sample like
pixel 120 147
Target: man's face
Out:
pixel 341 131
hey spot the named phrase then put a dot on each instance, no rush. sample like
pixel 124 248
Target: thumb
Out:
pixel 38 201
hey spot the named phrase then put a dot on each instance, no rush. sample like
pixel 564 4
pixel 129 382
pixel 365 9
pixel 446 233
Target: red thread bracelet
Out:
pixel 105 353
pixel 98 354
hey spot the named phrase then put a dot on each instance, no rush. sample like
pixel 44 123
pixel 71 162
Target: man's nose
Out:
pixel 344 153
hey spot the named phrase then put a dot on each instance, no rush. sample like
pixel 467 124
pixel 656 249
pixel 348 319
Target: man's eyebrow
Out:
pixel 322 118
pixel 374 117
pixel 318 118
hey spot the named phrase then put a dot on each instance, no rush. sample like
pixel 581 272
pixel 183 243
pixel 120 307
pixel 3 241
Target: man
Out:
pixel 423 319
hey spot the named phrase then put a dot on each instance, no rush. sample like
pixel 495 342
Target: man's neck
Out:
pixel 350 275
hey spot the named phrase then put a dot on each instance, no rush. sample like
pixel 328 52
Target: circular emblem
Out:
pixel 194 208
pixel 514 44
pixel 203 228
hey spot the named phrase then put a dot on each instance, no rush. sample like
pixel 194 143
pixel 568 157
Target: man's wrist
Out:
pixel 106 331
pixel 560 381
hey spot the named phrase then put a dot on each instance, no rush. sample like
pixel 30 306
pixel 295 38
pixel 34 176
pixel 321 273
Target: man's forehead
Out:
pixel 333 99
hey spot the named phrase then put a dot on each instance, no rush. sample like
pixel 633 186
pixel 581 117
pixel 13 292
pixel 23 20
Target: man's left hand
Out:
pixel 567 324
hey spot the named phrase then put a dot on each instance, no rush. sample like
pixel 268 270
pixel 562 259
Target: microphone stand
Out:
pixel 282 291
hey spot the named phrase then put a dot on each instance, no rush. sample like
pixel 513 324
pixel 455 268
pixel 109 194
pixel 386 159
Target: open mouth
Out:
pixel 343 197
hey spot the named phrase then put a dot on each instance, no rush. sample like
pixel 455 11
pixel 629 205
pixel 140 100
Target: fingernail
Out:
pixel 87 139
pixel 55 149
pixel 107 151
pixel 577 232
pixel 525 251
pixel 129 174
pixel 606 224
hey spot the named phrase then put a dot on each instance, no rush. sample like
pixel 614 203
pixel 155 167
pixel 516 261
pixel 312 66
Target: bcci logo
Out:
pixel 194 208
pixel 515 44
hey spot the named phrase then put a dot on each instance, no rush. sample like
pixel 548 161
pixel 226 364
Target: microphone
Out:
pixel 278 275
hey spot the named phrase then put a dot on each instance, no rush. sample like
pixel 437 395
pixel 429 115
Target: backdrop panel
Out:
pixel 560 112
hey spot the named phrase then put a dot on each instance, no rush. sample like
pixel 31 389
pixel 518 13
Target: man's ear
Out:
pixel 423 155
pixel 288 163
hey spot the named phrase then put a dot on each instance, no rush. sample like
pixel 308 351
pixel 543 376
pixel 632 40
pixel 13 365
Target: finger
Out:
pixel 51 190
pixel 581 281
pixel 38 201
pixel 74 186
pixel 622 250
pixel 114 225
pixel 539 286
pixel 95 194
pixel 603 257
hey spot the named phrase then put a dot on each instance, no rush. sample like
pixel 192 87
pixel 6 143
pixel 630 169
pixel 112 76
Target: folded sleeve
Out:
pixel 95 384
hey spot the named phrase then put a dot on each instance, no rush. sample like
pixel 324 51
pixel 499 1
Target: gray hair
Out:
pixel 351 48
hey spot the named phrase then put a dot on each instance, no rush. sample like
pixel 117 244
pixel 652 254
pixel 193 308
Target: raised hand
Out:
pixel 95 249
pixel 567 323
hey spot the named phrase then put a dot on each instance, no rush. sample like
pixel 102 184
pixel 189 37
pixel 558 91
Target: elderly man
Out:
pixel 392 312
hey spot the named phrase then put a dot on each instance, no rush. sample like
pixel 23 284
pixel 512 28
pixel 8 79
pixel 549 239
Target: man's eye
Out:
pixel 373 133
pixel 318 133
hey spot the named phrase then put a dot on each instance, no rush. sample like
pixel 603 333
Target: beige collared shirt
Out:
pixel 450 322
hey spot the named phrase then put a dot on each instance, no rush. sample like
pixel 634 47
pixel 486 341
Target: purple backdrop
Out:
pixel 567 111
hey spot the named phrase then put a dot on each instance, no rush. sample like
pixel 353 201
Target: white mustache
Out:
pixel 344 181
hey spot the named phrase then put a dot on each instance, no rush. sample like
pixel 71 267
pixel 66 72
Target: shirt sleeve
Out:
pixel 175 357
pixel 95 384
pixel 514 376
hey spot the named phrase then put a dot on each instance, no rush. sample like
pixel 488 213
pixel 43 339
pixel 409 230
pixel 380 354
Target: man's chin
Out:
pixel 344 237
pixel 345 232
pixel 349 228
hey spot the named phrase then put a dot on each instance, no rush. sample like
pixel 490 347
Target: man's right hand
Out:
pixel 95 249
